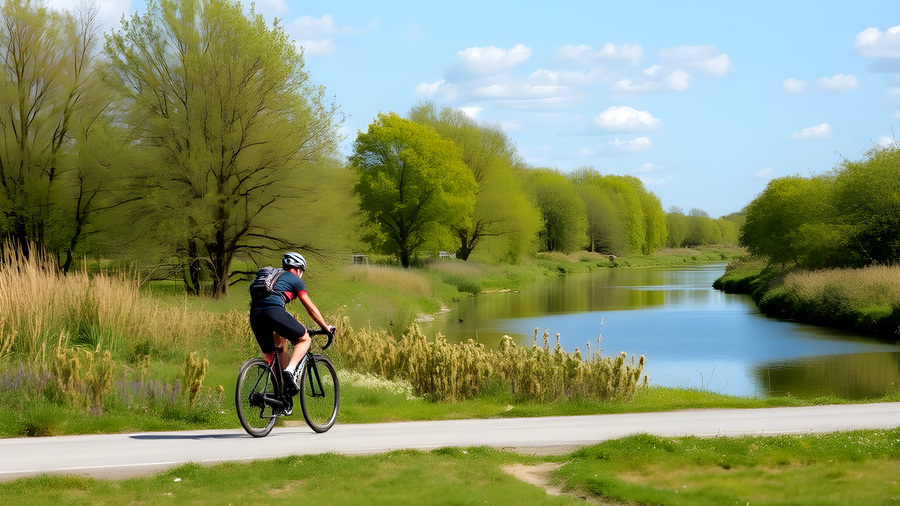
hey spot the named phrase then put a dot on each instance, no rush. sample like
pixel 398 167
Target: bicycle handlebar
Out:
pixel 324 332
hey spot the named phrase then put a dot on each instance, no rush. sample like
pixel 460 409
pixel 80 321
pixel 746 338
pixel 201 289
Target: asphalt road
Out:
pixel 124 455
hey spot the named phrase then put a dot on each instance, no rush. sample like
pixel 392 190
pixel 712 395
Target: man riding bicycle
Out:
pixel 272 324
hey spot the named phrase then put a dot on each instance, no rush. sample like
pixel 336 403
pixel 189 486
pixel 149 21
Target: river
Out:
pixel 692 335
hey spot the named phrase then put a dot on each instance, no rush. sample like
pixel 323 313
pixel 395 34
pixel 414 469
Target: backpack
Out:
pixel 264 284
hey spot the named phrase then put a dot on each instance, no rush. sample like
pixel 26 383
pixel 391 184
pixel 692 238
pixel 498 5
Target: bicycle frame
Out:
pixel 315 380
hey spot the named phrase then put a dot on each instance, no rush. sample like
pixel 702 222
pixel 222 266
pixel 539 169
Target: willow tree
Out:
pixel 503 216
pixel 563 212
pixel 53 106
pixel 232 122
pixel 413 186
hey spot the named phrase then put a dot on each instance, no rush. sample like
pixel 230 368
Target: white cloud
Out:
pixel 430 89
pixel 840 82
pixel 639 144
pixel 705 58
pixel 570 77
pixel 471 112
pixel 624 118
pixel 677 80
pixel 887 140
pixel 763 173
pixel 872 43
pixel 791 85
pixel 317 35
pixel 491 59
pixel 586 55
pixel 820 131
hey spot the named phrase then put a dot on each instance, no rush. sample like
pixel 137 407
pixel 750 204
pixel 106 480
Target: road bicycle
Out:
pixel 261 398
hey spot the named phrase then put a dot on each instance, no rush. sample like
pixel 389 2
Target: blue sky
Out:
pixel 703 101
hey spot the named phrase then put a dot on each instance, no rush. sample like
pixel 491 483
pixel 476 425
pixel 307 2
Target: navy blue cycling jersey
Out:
pixel 287 288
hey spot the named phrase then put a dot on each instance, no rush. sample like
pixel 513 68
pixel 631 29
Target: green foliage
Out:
pixel 562 210
pixel 503 217
pixel 793 220
pixel 867 200
pixel 54 119
pixel 232 125
pixel 846 218
pixel 413 185
pixel 623 217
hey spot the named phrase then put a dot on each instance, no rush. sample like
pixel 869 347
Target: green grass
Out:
pixel 841 468
pixel 832 469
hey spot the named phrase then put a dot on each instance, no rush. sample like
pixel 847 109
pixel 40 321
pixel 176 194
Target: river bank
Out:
pixel 390 297
pixel 864 301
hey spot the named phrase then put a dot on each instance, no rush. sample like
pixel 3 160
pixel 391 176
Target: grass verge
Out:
pixel 831 469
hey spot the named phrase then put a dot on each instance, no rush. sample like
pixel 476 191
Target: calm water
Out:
pixel 692 335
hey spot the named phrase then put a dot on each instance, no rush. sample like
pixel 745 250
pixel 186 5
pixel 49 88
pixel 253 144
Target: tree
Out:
pixel 53 115
pixel 607 228
pixel 639 213
pixel 232 124
pixel 413 186
pixel 868 202
pixel 563 211
pixel 701 229
pixel 677 225
pixel 502 214
pixel 793 220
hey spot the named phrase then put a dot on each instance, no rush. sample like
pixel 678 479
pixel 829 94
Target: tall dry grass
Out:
pixel 453 372
pixel 877 285
pixel 105 311
pixel 393 278
pixel 865 300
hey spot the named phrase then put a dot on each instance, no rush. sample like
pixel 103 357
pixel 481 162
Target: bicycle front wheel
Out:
pixel 319 393
pixel 254 388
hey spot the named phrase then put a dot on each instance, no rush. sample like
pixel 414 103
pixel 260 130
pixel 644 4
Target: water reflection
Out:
pixel 692 335
pixel 859 376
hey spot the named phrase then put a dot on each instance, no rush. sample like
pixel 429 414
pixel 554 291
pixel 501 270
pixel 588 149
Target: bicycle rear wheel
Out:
pixel 254 386
pixel 320 393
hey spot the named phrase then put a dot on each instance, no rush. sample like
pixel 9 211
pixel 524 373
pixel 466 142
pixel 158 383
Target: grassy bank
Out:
pixel 863 300
pixel 816 469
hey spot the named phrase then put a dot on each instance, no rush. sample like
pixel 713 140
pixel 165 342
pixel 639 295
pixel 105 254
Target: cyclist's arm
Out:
pixel 312 309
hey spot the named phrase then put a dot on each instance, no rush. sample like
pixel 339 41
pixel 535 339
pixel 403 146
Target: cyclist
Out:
pixel 272 324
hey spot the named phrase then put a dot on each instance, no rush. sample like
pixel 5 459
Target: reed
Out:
pixel 458 371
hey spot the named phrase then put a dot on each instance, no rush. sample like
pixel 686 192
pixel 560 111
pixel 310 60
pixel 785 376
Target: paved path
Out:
pixel 122 455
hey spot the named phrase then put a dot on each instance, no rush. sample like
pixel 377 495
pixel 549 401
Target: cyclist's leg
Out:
pixel 279 348
pixel 300 349
pixel 287 327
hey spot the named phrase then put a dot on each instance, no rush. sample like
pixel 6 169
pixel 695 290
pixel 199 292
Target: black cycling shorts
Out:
pixel 274 319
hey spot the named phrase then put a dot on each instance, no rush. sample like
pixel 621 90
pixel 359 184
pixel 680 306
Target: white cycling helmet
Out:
pixel 293 261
